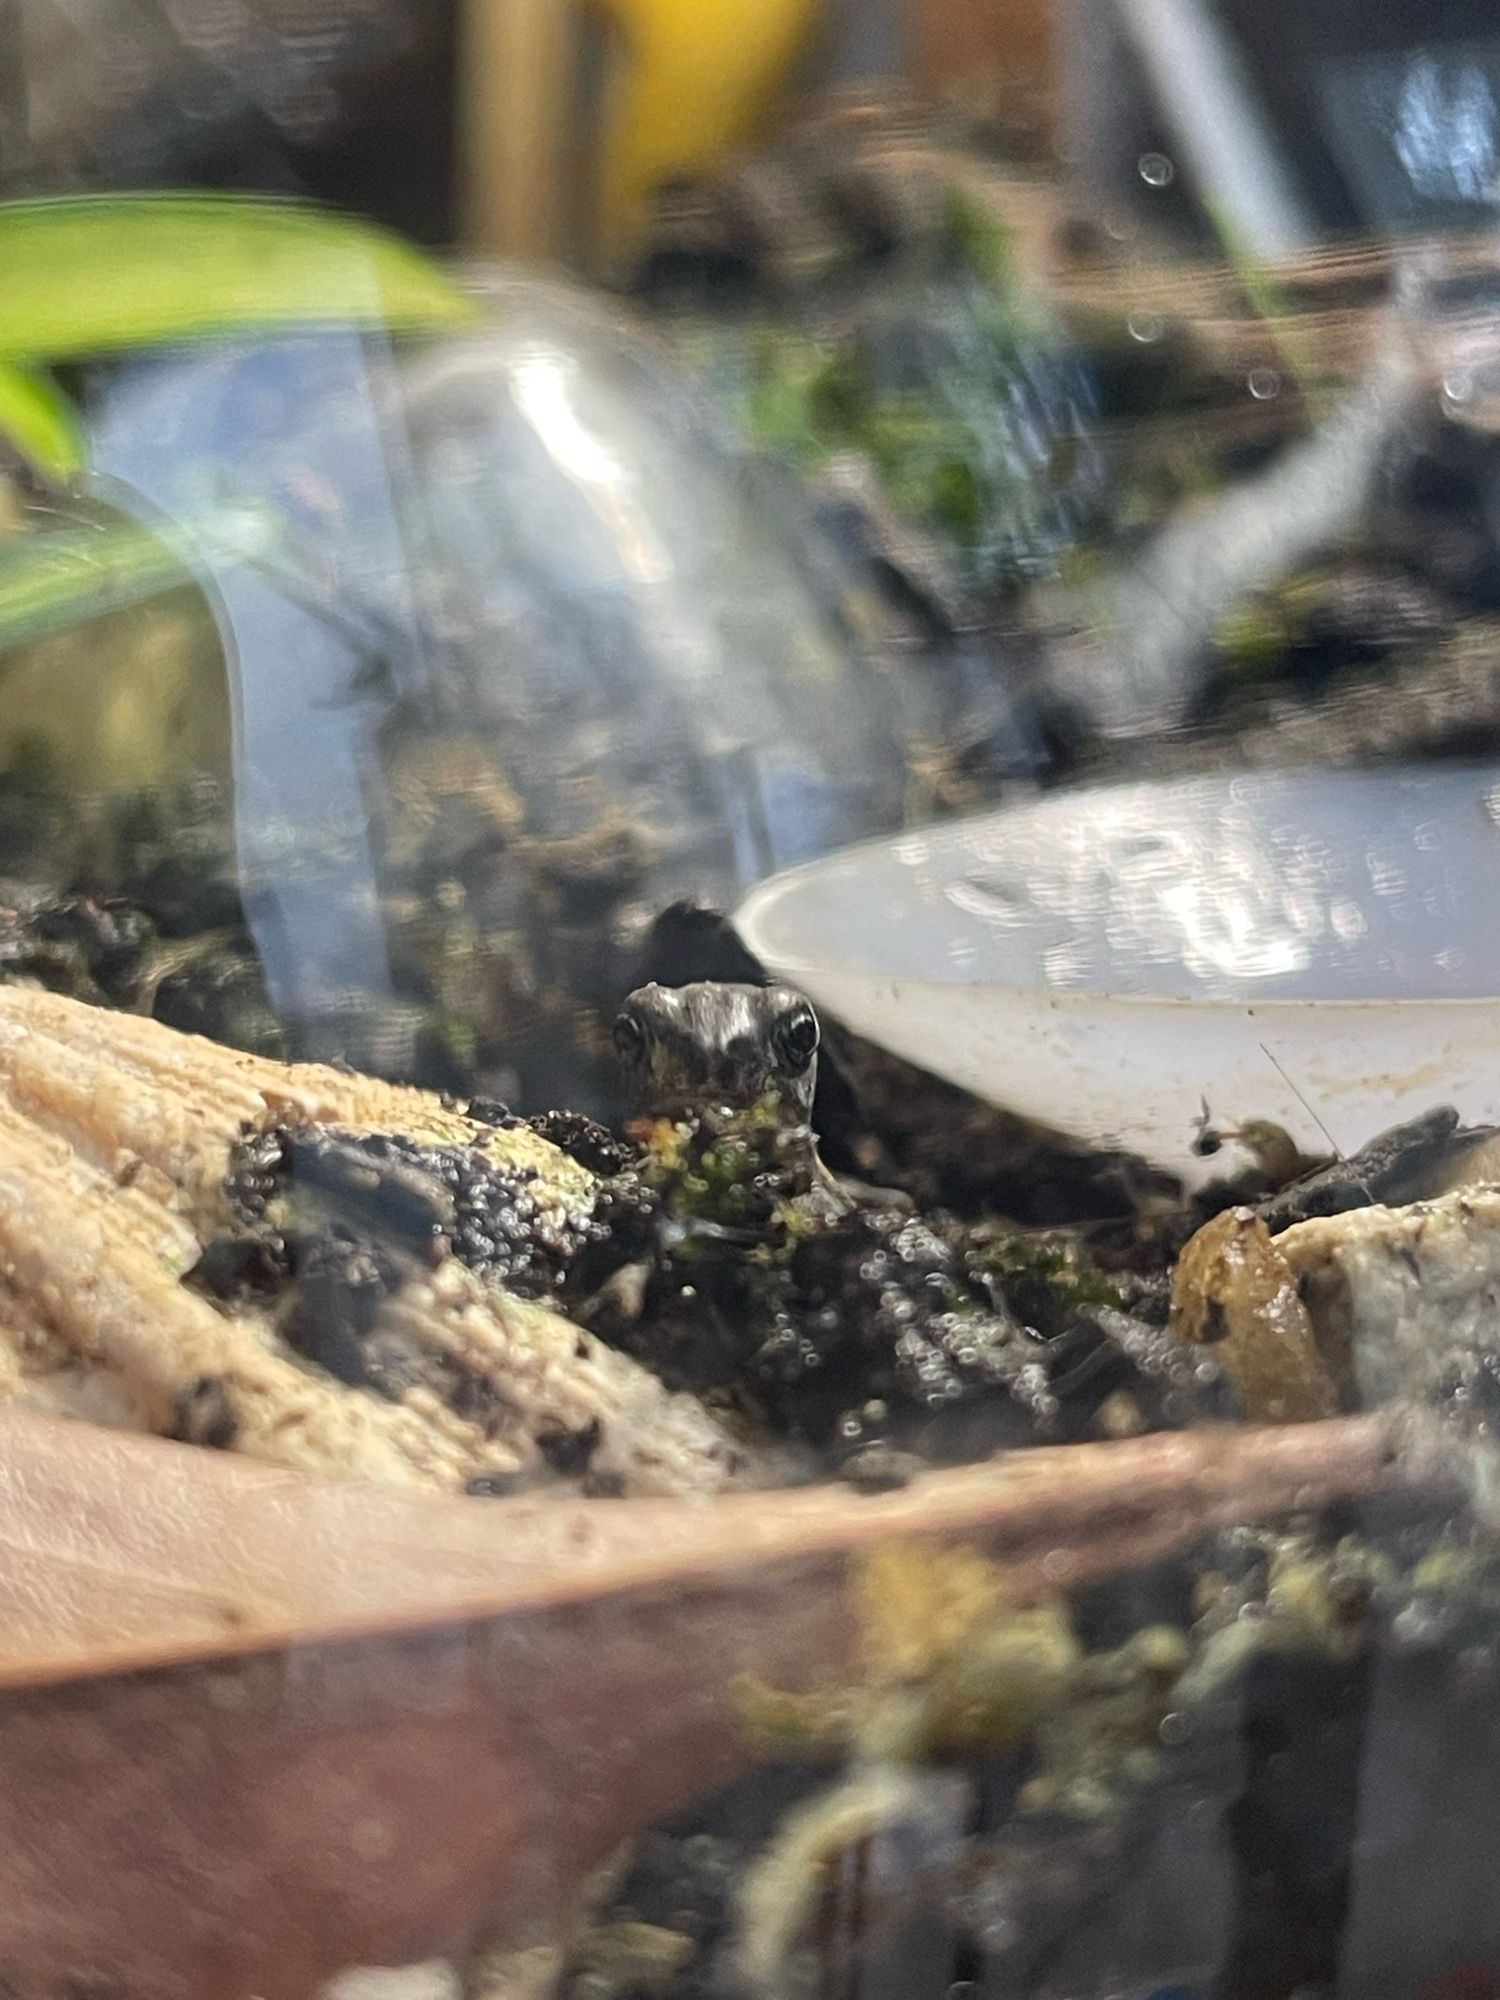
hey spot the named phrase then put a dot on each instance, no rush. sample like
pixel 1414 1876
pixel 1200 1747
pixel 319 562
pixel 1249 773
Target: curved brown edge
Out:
pixel 250 1820
pixel 1054 1516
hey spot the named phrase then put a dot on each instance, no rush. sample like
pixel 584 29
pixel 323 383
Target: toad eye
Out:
pixel 630 1037
pixel 794 1037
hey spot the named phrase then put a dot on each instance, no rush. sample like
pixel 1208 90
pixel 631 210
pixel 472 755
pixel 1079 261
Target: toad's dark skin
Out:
pixel 713 1245
pixel 883 1119
pixel 844 1322
pixel 719 1043
pixel 1411 1162
pixel 729 1058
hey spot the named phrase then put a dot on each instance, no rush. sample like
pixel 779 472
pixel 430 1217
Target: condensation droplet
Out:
pixel 1156 170
pixel 1417 1624
pixel 1346 919
pixel 1263 384
pixel 1458 387
pixel 1146 327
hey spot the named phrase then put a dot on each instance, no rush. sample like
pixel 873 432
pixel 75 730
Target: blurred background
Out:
pixel 484 482
pixel 988 510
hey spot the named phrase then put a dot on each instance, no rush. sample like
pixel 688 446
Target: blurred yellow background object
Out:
pixel 700 78
pixel 667 86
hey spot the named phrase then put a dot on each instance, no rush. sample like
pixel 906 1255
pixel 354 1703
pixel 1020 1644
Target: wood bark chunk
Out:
pixel 115 1141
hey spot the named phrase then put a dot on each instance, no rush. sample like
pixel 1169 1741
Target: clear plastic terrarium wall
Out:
pixel 519 647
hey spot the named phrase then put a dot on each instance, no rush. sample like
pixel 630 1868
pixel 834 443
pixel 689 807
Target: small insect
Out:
pixel 1276 1154
pixel 1207 1139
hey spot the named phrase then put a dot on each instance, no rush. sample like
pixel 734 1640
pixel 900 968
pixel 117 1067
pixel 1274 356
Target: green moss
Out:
pixel 981 240
pixel 742 1172
pixel 959 1668
pixel 1257 634
pixel 951 1669
pixel 1046 1279
pixel 946 433
pixel 1106 1734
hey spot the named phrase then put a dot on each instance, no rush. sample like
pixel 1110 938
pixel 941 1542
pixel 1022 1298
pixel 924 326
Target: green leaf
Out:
pixel 37 418
pixel 55 579
pixel 92 274
pixel 51 581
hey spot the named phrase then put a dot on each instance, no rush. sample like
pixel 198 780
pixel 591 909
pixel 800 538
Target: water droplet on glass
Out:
pixel 1346 919
pixel 1156 170
pixel 1459 386
pixel 1386 879
pixel 1174 1728
pixel 1492 805
pixel 1263 384
pixel 1146 327
pixel 993 896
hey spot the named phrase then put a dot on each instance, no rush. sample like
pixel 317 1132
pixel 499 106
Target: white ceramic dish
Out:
pixel 1318 948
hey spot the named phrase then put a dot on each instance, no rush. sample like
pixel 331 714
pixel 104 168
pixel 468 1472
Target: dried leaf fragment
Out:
pixel 1235 1291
